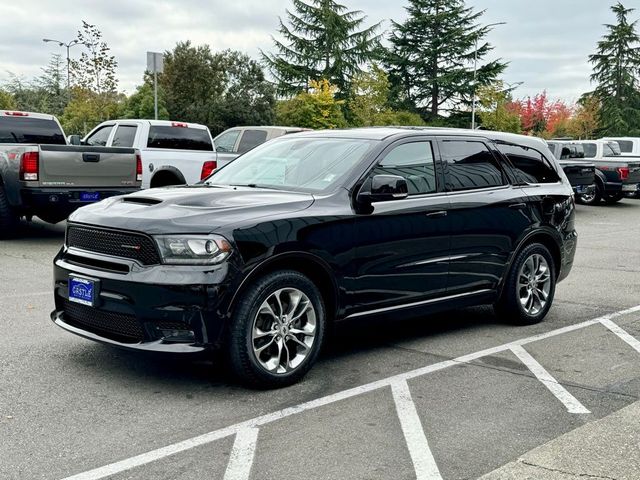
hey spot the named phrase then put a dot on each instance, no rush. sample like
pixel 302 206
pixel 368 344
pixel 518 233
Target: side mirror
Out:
pixel 75 140
pixel 382 188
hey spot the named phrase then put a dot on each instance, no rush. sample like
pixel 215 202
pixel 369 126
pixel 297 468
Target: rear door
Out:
pixel 403 245
pixel 488 215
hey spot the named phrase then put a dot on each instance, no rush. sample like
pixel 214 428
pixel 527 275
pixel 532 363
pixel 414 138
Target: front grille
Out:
pixel 117 244
pixel 115 326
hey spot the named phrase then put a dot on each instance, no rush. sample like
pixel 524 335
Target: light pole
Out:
pixel 475 74
pixel 68 45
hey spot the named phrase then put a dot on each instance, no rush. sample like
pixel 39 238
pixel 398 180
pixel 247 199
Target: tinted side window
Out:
pixel 414 162
pixel 30 130
pixel 530 165
pixel 590 150
pixel 179 138
pixel 99 138
pixel 226 142
pixel 626 146
pixel 124 137
pixel 250 139
pixel 470 165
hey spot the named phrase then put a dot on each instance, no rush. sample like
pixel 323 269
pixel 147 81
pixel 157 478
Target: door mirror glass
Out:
pixel 74 140
pixel 382 188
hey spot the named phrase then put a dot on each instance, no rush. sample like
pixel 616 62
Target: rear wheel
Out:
pixel 529 288
pixel 613 198
pixel 8 217
pixel 592 198
pixel 276 331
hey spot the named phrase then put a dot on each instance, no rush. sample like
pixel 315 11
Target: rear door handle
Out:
pixel 441 213
pixel 518 206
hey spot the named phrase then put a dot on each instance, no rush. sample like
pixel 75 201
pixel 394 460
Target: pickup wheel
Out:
pixel 276 331
pixel 613 198
pixel 529 288
pixel 591 198
pixel 8 218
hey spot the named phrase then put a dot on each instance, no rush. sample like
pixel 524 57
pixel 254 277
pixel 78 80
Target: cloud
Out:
pixel 546 42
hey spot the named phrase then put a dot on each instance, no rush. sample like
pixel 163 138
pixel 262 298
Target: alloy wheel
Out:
pixel 283 331
pixel 534 284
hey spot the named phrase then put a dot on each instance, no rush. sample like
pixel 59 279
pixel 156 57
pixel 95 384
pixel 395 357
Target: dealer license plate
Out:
pixel 83 290
pixel 89 196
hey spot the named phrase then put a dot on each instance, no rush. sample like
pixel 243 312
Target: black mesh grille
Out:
pixel 118 244
pixel 115 326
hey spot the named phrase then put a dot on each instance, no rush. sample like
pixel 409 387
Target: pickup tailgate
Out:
pixel 95 167
pixel 578 173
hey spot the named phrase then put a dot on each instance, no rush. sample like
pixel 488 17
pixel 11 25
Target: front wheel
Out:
pixel 529 288
pixel 276 330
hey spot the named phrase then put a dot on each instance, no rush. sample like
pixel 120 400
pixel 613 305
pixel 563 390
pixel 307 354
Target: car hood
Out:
pixel 195 209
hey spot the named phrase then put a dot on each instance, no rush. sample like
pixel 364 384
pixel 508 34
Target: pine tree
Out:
pixel 616 68
pixel 431 57
pixel 323 40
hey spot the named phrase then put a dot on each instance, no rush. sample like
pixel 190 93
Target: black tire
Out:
pixel 8 218
pixel 241 357
pixel 509 307
pixel 52 218
pixel 613 198
pixel 593 200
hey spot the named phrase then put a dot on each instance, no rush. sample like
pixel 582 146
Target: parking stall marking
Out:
pixel 561 393
pixel 153 455
pixel 242 454
pixel 623 334
pixel 423 461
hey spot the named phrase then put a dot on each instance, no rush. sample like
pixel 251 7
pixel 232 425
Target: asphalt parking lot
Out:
pixel 454 396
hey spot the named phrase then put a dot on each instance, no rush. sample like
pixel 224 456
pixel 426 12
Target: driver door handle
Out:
pixel 441 213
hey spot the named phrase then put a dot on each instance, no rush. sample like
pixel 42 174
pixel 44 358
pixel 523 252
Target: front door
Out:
pixel 402 254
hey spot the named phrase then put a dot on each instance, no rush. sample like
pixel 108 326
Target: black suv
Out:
pixel 316 228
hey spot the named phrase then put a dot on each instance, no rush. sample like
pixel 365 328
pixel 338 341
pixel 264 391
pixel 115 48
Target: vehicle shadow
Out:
pixel 179 373
pixel 38 229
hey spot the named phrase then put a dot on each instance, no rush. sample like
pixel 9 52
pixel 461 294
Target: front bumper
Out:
pixel 153 308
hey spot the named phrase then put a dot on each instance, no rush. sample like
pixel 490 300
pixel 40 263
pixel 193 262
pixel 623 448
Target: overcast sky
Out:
pixel 546 42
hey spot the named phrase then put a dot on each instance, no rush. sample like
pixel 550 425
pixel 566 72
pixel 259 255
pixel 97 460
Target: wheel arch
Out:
pixel 542 237
pixel 167 172
pixel 313 267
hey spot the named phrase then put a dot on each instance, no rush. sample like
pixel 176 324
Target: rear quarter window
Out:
pixel 531 165
pixel 30 130
pixel 626 146
pixel 179 138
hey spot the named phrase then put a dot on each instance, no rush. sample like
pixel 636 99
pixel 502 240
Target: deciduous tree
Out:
pixel 318 108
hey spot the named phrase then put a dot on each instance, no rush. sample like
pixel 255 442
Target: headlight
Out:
pixel 193 249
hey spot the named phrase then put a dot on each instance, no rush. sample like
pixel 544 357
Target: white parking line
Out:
pixel 144 458
pixel 632 341
pixel 423 461
pixel 241 459
pixel 561 393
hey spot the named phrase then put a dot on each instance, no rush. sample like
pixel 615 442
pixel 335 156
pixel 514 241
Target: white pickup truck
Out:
pixel 629 146
pixel 173 153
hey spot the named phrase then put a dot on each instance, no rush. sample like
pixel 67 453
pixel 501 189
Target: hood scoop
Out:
pixel 141 200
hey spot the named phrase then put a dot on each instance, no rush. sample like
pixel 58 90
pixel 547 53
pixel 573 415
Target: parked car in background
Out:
pixel 581 174
pixel 615 175
pixel 238 140
pixel 629 146
pixel 173 153
pixel 315 228
pixel 41 175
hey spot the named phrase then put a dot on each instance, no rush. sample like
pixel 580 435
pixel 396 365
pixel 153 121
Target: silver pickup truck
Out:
pixel 41 175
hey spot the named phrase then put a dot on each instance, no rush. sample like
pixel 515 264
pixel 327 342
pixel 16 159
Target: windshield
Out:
pixel 300 164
